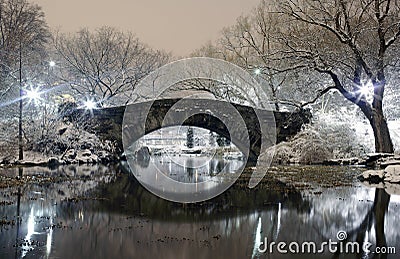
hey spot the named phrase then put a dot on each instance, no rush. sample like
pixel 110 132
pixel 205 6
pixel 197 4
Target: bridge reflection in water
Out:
pixel 188 169
pixel 123 220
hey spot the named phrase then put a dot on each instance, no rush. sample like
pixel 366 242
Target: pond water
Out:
pixel 103 212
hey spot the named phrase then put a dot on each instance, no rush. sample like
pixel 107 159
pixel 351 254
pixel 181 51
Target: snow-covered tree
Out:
pixel 105 63
pixel 351 44
pixel 23 37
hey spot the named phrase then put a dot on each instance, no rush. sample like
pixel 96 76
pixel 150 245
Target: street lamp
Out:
pixel 33 94
pixel 366 90
pixel 52 63
pixel 257 71
pixel 90 104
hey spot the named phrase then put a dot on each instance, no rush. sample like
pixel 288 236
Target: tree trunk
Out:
pixel 380 208
pixel 383 142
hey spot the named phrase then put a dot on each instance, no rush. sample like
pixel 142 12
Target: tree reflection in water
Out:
pixel 375 218
pixel 122 219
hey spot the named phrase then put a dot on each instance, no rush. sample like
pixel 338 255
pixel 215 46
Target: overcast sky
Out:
pixel 180 26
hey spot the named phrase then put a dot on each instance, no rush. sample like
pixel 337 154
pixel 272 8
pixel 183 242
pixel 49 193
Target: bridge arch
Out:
pixel 241 129
pixel 207 122
pixel 107 122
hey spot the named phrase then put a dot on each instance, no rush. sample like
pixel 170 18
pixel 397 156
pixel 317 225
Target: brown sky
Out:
pixel 179 26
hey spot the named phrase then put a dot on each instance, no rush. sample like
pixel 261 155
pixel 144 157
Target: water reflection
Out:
pixel 187 178
pixel 122 219
pixel 187 169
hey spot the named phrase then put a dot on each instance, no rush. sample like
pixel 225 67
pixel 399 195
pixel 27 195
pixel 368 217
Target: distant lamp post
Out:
pixel 90 104
pixel 33 94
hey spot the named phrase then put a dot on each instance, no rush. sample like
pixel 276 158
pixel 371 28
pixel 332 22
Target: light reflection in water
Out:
pixel 30 232
pixel 233 225
pixel 49 238
pixel 278 226
pixel 190 169
pixel 257 239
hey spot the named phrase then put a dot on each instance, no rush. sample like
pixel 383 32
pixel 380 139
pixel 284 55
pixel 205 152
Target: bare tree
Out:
pixel 249 44
pixel 350 43
pixel 23 36
pixel 106 63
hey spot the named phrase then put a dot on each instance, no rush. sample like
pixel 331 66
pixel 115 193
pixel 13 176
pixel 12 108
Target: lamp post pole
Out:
pixel 20 142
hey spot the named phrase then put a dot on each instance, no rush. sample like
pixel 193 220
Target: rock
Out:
pixel 345 161
pixel 379 155
pixel 385 162
pixel 105 157
pixel 392 174
pixel 7 160
pixel 62 130
pixel 94 159
pixel 86 157
pixel 350 161
pixel 372 176
pixel 372 158
pixel 71 154
pixel 85 152
pixel 332 162
pixel 53 161
pixel 122 157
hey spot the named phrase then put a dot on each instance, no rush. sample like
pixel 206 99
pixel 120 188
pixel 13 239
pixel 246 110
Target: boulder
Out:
pixel 53 161
pixel 105 157
pixel 392 174
pixel 86 157
pixel 372 176
pixel 71 154
pixel 85 153
pixel 7 160
pixel 385 162
pixel 373 158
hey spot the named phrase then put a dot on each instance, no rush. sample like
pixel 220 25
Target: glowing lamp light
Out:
pixel 257 71
pixel 52 63
pixel 364 90
pixel 90 105
pixel 33 94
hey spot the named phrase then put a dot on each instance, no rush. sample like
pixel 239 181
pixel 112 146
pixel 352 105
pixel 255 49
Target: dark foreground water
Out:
pixel 102 212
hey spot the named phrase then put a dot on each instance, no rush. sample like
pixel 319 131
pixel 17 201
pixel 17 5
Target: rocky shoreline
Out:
pixel 72 156
pixel 382 167
pixel 385 169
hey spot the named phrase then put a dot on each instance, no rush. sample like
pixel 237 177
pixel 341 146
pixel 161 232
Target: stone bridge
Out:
pixel 107 122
